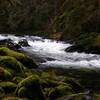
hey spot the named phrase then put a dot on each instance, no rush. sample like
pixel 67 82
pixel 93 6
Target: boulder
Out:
pixel 10 44
pixel 11 64
pixel 25 60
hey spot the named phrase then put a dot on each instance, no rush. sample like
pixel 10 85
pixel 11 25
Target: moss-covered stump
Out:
pixel 30 88
pixel 25 60
pixel 8 87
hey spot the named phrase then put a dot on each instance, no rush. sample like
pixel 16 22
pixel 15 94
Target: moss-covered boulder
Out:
pixel 50 79
pixel 25 60
pixel 83 78
pixel 8 87
pixel 17 79
pixel 77 96
pixel 59 91
pixel 30 88
pixel 5 74
pixel 13 98
pixel 76 86
pixel 48 82
pixel 97 96
pixel 11 64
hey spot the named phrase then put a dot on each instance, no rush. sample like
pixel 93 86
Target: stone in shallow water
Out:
pixel 23 42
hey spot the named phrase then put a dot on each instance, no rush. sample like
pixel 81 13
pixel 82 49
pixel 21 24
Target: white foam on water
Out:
pixel 46 48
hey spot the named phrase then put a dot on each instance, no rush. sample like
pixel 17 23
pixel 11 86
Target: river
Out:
pixel 52 53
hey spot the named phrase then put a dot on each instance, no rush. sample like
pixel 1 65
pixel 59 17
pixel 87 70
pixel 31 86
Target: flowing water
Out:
pixel 53 53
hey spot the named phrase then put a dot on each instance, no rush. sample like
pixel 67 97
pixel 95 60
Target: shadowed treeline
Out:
pixel 61 16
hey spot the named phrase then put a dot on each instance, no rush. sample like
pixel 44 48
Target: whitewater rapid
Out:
pixel 53 53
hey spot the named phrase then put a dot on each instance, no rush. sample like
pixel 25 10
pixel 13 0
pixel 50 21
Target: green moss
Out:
pixel 97 96
pixel 17 79
pixel 83 78
pixel 50 79
pixel 50 83
pixel 60 91
pixel 13 98
pixel 8 63
pixel 78 96
pixel 30 88
pixel 76 86
pixel 5 74
pixel 97 41
pixel 25 60
pixel 8 86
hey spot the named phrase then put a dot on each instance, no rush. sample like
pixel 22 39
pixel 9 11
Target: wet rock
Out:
pixel 10 44
pixel 4 41
pixel 79 48
pixel 23 42
pixel 14 46
pixel 50 59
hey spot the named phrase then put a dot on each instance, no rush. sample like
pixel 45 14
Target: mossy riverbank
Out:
pixel 27 82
